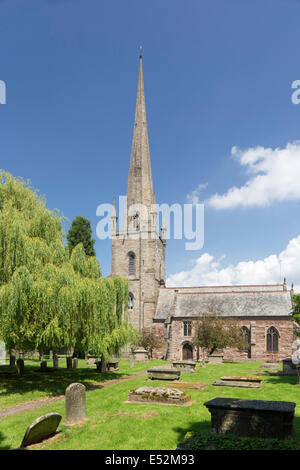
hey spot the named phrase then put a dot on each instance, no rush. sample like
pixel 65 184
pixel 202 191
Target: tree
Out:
pixel 212 331
pixel 49 299
pixel 296 309
pixel 149 340
pixel 81 232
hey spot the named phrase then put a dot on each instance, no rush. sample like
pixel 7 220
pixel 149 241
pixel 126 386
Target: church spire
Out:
pixel 140 186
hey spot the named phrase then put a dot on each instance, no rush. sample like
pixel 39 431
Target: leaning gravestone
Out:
pixel 75 403
pixel 41 428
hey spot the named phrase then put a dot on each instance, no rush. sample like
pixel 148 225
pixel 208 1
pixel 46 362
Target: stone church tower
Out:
pixel 138 250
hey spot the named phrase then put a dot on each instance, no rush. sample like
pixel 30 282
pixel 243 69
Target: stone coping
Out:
pixel 167 369
pixel 258 405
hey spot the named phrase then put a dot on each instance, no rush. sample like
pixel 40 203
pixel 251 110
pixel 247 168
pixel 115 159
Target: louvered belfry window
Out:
pixel 131 267
pixel 272 339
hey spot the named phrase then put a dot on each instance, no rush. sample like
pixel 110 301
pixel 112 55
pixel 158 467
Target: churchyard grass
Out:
pixel 113 424
pixel 34 385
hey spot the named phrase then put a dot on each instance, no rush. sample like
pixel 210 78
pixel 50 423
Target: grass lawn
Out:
pixel 34 385
pixel 115 425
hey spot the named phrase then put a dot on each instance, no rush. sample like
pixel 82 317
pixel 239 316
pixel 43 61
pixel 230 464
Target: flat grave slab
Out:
pixel 159 395
pixel 249 378
pixel 189 385
pixel 236 383
pixel 270 365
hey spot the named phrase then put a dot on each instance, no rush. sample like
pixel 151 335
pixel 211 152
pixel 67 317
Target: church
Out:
pixel 263 312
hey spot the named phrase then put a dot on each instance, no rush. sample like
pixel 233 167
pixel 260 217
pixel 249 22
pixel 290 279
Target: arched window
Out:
pixel 130 301
pixel 272 339
pixel 245 332
pixel 131 265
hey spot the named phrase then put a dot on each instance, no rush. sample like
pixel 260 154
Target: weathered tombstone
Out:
pixel 75 363
pixel 159 395
pixel 185 366
pixel 55 361
pixel 252 418
pixel 215 359
pixel 141 355
pixel 131 361
pixel 50 355
pixel 41 428
pixel 12 361
pixel 69 363
pixel 75 403
pixel 44 365
pixel 20 366
pixel 288 368
pixel 163 373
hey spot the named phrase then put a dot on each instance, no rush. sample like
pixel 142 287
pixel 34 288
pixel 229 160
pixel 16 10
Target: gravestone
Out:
pixel 69 363
pixel 236 383
pixel 55 361
pixel 141 355
pixel 42 428
pixel 12 361
pixel 288 368
pixel 163 373
pixel 131 361
pixel 20 366
pixel 185 366
pixel 75 403
pixel 113 365
pixel 252 418
pixel 269 365
pixel 75 363
pixel 159 395
pixel 44 365
pixel 215 359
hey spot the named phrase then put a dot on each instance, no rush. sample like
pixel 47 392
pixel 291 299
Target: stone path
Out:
pixel 30 405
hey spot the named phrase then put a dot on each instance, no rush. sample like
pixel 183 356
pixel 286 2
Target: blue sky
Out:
pixel 217 75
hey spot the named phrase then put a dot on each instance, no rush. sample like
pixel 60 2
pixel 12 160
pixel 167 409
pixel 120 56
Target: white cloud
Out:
pixel 275 177
pixel 193 197
pixel 209 271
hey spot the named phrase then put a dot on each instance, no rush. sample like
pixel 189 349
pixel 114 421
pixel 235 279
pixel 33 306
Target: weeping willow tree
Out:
pixel 49 299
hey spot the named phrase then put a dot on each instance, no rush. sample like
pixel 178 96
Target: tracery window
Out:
pixel 187 328
pixel 245 332
pixel 272 339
